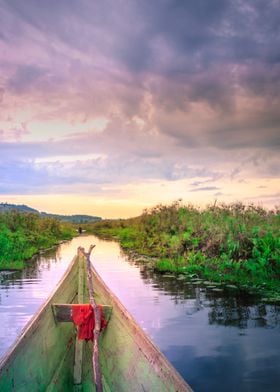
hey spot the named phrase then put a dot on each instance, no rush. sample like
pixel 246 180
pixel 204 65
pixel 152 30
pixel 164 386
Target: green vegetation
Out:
pixel 233 244
pixel 24 234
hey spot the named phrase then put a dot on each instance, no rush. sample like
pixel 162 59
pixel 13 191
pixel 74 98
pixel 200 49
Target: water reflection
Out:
pixel 224 308
pixel 22 292
pixel 218 340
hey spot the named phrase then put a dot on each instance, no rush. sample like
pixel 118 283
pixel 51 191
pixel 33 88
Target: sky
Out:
pixel 111 106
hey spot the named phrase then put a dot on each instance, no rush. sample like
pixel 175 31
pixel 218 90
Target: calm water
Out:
pixel 217 341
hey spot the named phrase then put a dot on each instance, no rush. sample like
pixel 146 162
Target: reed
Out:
pixel 24 234
pixel 234 243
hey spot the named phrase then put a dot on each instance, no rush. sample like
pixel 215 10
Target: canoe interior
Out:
pixel 42 358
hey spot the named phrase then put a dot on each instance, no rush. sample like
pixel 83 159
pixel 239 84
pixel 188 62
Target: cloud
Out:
pixel 130 151
pixel 2 92
pixel 167 90
pixel 274 196
pixel 29 174
pixel 26 77
pixel 12 135
pixel 20 177
pixel 205 188
pixel 182 56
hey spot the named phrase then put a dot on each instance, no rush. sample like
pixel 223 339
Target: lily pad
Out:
pixel 231 287
pixel 272 301
pixel 196 280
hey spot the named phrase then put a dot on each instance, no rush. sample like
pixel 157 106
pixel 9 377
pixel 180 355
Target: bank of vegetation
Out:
pixel 230 244
pixel 24 234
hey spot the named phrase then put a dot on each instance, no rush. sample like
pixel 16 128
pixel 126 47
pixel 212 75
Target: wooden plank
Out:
pixel 81 281
pixel 63 312
pixel 97 326
pixel 78 361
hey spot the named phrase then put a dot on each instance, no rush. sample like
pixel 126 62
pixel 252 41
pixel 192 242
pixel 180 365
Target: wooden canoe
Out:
pixel 46 357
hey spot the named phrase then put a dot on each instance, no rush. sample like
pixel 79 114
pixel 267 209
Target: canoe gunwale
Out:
pixel 148 345
pixel 32 323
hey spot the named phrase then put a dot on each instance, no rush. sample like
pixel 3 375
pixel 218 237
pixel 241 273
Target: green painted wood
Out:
pixel 32 362
pixel 42 359
pixel 63 312
pixel 79 344
pixel 129 360
pixel 60 381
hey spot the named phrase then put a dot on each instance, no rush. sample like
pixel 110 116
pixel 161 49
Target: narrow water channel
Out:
pixel 217 341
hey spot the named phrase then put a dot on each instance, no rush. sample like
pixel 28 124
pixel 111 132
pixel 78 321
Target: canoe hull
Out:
pixel 142 367
pixel 42 358
pixel 43 347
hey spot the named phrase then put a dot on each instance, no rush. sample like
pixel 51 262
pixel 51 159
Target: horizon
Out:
pixel 180 201
pixel 110 108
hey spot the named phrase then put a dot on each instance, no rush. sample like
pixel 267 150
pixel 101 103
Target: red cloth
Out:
pixel 83 317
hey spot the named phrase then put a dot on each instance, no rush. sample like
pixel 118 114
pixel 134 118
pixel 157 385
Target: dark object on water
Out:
pixel 80 230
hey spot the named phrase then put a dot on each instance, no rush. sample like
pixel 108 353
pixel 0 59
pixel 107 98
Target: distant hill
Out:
pixel 68 218
pixel 73 218
pixel 22 208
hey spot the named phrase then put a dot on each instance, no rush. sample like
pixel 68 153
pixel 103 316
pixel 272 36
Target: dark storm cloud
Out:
pixel 218 30
pixel 262 79
pixel 201 36
pixel 25 77
pixel 198 74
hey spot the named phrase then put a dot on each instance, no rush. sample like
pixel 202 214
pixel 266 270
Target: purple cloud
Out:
pixel 185 90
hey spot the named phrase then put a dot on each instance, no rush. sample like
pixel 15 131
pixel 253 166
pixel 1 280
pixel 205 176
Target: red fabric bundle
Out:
pixel 83 317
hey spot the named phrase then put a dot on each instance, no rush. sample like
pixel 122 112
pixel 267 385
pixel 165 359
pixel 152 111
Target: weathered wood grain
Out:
pixel 63 312
pixel 79 345
pixel 42 358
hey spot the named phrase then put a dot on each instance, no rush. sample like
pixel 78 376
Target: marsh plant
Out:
pixel 234 243
pixel 24 234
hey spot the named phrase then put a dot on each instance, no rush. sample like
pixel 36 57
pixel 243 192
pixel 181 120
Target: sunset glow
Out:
pixel 110 107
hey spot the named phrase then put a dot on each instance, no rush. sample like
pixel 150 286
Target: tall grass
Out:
pixel 24 234
pixel 234 242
